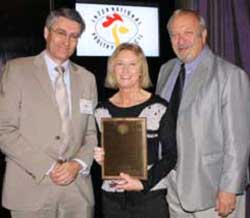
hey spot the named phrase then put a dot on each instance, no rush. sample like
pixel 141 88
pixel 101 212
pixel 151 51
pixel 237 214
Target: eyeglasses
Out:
pixel 73 37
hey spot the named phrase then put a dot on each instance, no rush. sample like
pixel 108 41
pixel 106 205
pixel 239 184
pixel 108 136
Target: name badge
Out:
pixel 86 106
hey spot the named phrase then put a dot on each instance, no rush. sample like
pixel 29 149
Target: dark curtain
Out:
pixel 228 23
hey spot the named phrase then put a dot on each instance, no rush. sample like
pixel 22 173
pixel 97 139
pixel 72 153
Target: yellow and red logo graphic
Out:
pixel 114 25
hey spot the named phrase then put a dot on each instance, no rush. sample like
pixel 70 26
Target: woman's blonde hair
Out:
pixel 145 80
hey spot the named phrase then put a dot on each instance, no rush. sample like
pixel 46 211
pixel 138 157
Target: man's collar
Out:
pixel 191 66
pixel 51 62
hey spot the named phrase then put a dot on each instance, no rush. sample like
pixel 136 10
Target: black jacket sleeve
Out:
pixel 167 138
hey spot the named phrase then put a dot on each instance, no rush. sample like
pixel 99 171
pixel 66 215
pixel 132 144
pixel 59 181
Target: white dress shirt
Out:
pixel 52 75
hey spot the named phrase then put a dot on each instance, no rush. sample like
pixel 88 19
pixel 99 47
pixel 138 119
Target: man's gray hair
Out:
pixel 186 12
pixel 68 13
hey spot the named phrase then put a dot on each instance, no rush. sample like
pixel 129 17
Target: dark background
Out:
pixel 22 23
pixel 21 34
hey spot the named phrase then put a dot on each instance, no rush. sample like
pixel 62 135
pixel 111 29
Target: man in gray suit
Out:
pixel 49 150
pixel 213 125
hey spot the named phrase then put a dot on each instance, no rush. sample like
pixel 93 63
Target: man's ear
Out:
pixel 45 32
pixel 204 36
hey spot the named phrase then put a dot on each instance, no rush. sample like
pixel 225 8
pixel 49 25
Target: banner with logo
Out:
pixel 109 25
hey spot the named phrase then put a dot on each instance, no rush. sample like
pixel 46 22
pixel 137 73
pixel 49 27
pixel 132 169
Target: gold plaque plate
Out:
pixel 125 144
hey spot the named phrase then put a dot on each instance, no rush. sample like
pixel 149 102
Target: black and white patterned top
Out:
pixel 161 152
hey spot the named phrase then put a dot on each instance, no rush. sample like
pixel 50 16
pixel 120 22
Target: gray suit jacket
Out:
pixel 213 131
pixel 30 130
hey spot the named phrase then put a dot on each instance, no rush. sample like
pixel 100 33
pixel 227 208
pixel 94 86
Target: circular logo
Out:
pixel 115 25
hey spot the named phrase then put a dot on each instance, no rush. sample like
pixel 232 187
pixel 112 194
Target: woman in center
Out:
pixel 129 197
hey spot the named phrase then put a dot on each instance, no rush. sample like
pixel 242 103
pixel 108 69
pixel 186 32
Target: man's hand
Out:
pixel 225 203
pixel 64 174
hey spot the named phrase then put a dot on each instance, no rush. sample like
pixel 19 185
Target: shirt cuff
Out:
pixel 84 170
pixel 51 168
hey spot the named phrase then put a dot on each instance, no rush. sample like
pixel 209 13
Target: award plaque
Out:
pixel 125 144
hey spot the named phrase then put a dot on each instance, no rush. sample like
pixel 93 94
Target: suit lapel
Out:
pixel 197 80
pixel 75 84
pixel 42 75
